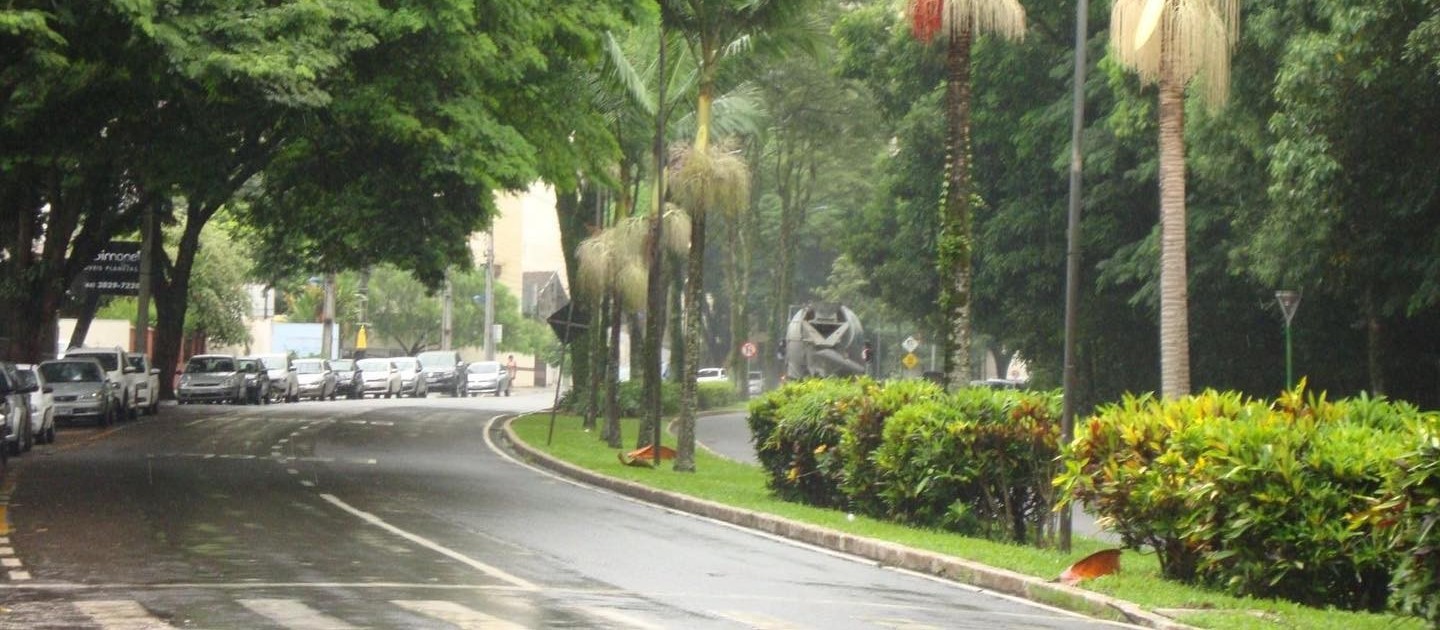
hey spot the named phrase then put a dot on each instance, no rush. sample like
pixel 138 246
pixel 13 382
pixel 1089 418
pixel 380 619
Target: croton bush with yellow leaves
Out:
pixel 1261 498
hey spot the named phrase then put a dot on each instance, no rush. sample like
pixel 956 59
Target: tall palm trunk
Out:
pixel 694 290
pixel 955 225
pixel 1174 312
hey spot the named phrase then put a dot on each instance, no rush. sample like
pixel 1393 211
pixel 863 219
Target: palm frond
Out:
pixel 625 75
pixel 1194 38
pixel 713 180
pixel 676 235
pixel 596 257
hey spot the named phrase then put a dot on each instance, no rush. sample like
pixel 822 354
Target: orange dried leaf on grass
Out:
pixel 1092 566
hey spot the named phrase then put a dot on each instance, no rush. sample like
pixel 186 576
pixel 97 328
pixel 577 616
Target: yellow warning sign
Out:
pixel 910 361
pixel 360 341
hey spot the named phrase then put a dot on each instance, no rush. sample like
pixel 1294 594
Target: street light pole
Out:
pixel 490 296
pixel 1289 303
pixel 1072 249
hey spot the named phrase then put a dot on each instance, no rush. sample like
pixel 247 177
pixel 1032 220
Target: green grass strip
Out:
pixel 742 485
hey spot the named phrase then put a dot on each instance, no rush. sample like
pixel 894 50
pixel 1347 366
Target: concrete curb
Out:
pixel 884 553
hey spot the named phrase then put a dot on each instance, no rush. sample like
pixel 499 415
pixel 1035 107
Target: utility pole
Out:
pixel 1072 249
pixel 447 316
pixel 490 296
pixel 327 319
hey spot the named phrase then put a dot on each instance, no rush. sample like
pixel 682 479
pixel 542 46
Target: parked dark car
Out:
pixel 347 378
pixel 257 380
pixel 444 371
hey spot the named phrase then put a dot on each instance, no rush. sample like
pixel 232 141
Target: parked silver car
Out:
pixel 378 377
pixel 283 383
pixel 81 390
pixel 412 381
pixel 211 378
pixel 487 377
pixel 118 369
pixel 42 403
pixel 315 377
pixel 15 404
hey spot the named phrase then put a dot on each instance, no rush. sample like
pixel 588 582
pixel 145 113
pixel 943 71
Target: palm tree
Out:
pixel 959 21
pixel 714 29
pixel 1170 42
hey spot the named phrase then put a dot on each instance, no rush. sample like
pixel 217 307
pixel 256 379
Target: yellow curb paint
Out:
pixel 7 489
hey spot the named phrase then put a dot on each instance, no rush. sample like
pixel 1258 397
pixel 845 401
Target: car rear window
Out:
pixel 484 368
pixel 207 365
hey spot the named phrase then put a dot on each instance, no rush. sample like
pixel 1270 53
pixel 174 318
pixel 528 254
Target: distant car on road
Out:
pixel 42 403
pixel 315 377
pixel 444 371
pixel 211 378
pixel 487 377
pixel 81 390
pixel 412 382
pixel 145 381
pixel 379 377
pixel 347 378
pixel 710 375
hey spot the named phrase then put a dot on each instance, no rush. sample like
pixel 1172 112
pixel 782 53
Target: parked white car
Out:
pixel 316 379
pixel 117 370
pixel 42 403
pixel 146 382
pixel 379 377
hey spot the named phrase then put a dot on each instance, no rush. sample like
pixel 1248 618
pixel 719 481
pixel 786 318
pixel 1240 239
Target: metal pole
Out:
pixel 1072 248
pixel 1289 367
pixel 490 296
pixel 327 319
pixel 447 314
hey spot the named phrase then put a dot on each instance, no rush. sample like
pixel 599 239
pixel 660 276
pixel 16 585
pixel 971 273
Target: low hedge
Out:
pixel 1261 499
pixel 980 461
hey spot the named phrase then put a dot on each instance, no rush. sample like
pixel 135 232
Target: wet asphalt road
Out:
pixel 403 514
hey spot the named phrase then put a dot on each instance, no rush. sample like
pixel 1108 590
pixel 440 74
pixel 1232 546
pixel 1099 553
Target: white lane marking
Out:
pixel 292 471
pixel 19 576
pixel 10 563
pixel 431 545
pixel 307 483
pixel 293 614
pixel 120 614
pixel 455 614
pixel 7 550
pixel 621 619
pixel 758 622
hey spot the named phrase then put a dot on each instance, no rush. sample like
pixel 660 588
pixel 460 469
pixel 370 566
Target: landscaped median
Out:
pixel 736 493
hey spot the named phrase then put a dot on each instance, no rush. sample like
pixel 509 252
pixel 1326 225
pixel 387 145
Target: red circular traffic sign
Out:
pixel 749 350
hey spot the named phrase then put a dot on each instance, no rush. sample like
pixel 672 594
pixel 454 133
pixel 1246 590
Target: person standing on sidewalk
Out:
pixel 512 370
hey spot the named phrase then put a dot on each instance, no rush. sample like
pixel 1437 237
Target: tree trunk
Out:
pixel 172 299
pixel 655 258
pixel 595 377
pixel 955 222
pixel 612 376
pixel 1374 346
pixel 1174 309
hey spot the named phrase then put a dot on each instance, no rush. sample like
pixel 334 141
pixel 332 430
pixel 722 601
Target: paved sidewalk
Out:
pixel 886 553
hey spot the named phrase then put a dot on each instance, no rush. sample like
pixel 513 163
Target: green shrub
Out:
pixel 1409 513
pixel 715 395
pixel 1259 499
pixel 630 397
pixel 979 462
pixel 865 431
pixel 796 429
